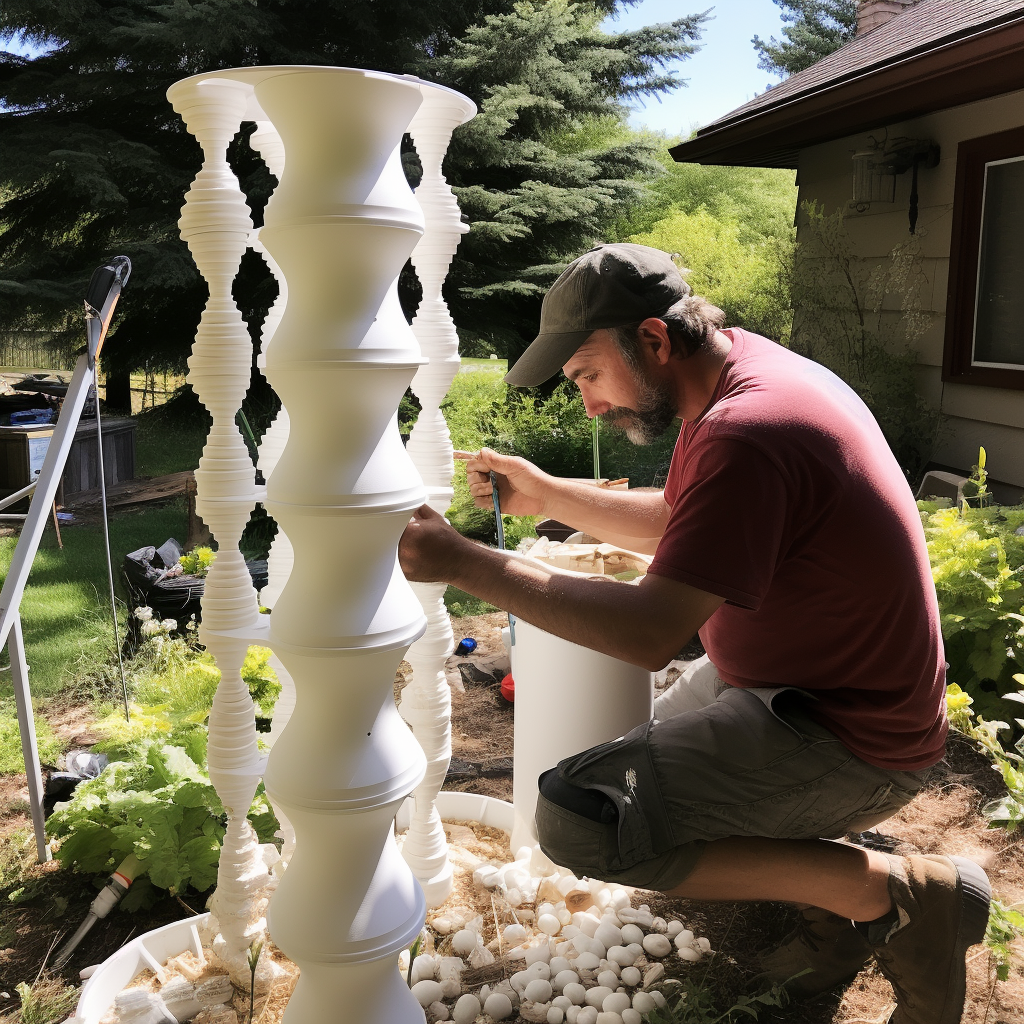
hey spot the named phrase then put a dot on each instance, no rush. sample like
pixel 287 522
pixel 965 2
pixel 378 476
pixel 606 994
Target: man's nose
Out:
pixel 593 406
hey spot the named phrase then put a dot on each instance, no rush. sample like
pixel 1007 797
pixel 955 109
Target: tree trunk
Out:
pixel 119 392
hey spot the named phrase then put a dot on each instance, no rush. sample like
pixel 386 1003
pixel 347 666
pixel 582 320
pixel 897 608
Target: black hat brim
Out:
pixel 544 357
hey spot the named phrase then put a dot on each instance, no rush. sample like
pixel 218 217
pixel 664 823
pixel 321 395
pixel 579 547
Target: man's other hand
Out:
pixel 522 487
pixel 429 549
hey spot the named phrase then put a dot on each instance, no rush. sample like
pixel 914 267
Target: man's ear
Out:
pixel 653 334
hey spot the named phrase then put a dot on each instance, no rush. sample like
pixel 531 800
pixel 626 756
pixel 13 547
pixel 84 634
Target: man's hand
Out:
pixel 522 487
pixel 430 549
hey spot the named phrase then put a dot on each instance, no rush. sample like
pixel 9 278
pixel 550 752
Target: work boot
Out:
pixel 942 908
pixel 825 950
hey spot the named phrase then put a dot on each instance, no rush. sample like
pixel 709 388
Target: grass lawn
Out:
pixel 65 611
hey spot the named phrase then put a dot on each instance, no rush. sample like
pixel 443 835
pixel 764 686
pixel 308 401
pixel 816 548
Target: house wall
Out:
pixel 992 417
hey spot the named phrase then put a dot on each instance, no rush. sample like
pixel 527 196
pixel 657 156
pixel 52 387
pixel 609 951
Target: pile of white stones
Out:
pixel 588 956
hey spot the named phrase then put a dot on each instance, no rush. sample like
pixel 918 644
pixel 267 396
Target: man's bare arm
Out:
pixel 631 519
pixel 646 624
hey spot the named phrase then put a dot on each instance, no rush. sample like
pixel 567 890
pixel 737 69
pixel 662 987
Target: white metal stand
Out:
pixel 43 492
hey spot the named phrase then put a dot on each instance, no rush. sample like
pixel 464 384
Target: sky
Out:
pixel 722 75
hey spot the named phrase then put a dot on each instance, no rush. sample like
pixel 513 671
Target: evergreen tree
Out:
pixel 813 29
pixel 94 161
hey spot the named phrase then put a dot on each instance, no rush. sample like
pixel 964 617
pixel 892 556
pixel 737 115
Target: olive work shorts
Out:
pixel 737 762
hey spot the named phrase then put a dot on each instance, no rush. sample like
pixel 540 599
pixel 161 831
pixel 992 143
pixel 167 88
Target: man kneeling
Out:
pixel 787 535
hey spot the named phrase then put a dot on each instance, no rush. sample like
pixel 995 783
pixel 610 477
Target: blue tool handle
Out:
pixel 501 547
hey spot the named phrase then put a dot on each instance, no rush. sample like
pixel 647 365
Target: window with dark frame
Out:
pixel 985 299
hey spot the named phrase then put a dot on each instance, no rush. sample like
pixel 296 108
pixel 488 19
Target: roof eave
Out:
pixel 963 71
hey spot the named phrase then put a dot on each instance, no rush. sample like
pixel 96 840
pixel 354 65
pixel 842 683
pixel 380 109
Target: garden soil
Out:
pixel 40 905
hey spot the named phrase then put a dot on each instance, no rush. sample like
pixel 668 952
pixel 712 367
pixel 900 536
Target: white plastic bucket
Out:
pixel 568 698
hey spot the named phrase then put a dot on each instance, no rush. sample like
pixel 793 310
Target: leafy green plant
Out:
pixel 163 809
pixel 1005 927
pixel 977 561
pixel 1008 810
pixel 197 562
pixel 46 1001
pixel 11 757
pixel 687 1002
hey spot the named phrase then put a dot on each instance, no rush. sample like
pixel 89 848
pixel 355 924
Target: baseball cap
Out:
pixel 611 285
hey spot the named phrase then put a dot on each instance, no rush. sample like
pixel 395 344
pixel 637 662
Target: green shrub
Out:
pixel 551 431
pixel 11 757
pixel 747 277
pixel 197 562
pixel 977 560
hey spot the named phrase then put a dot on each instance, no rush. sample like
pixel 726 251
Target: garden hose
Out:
pixel 108 898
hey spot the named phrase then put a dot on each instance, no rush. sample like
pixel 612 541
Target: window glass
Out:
pixel 999 317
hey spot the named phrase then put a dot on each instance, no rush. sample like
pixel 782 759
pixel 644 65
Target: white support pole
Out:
pixel 45 489
pixel 26 723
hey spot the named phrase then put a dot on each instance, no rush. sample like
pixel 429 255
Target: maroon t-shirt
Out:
pixel 787 502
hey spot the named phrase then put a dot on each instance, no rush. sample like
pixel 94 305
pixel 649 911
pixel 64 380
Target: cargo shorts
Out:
pixel 729 762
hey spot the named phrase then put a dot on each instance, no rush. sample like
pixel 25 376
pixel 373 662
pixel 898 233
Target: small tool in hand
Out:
pixel 501 546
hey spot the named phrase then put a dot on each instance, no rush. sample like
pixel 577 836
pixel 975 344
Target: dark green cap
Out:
pixel 609 286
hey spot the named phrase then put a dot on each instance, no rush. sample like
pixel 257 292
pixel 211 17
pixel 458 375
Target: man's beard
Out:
pixel 654 413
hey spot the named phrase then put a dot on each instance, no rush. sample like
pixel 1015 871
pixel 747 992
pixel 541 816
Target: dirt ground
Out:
pixel 40 905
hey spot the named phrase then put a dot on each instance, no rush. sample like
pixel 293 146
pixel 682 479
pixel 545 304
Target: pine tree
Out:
pixel 94 161
pixel 813 30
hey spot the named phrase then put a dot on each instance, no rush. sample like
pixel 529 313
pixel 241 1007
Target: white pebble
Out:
pixel 498 1006
pixel 486 876
pixel 539 954
pixel 627 915
pixel 588 962
pixel 704 945
pixel 602 898
pixel 569 931
pixel 620 898
pixel 659 998
pixel 644 918
pixel 566 883
pixel 514 898
pixel 438 1010
pixel 608 935
pixel 596 995
pixel 575 993
pixel 564 915
pixel 467 1009
pixel 538 991
pixel 659 925
pixel 555 1015
pixel 630 933
pixel 643 1002
pixel 609 979
pixel 549 924
pixel 587 1015
pixel 653 974
pixel 657 944
pixel 622 956
pixel 427 992
pixel 608 1018
pixel 559 964
pixel 684 938
pixel 630 976
pixel 520 980
pixel 539 969
pixel 673 928
pixel 464 942
pixel 631 1016
pixel 442 925
pixel 689 953
pixel 572 1015
pixel 562 1002
pixel 513 934
pixel 616 1002
pixel 587 923
pixel 563 978
pixel 423 968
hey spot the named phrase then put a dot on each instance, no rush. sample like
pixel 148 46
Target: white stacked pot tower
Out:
pixel 340 354
pixel 426 702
